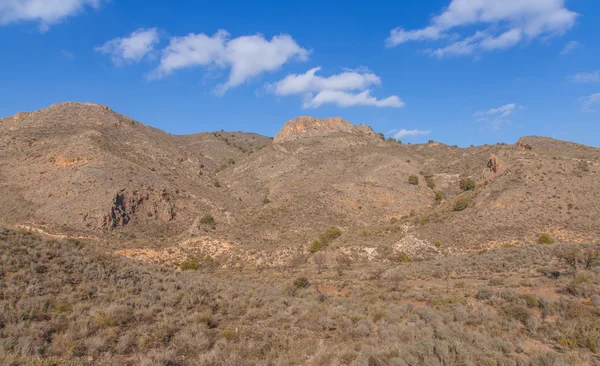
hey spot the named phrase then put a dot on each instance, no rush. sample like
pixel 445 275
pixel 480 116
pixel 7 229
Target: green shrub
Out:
pixel 545 239
pixel 484 293
pixel 467 184
pixel 517 312
pixel 414 180
pixel 316 246
pixel 190 265
pixel 438 244
pixel 402 257
pixel 461 203
pixel 531 300
pixel 301 282
pixel 329 235
pixel 207 219
pixel 439 196
pixel 430 182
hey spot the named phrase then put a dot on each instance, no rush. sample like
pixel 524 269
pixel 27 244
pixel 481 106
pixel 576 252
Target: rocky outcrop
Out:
pixel 309 126
pixel 493 164
pixel 522 145
pixel 146 204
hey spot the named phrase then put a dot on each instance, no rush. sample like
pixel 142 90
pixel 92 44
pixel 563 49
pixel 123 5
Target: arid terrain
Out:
pixel 325 245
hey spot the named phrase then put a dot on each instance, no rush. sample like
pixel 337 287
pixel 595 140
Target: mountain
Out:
pixel 84 170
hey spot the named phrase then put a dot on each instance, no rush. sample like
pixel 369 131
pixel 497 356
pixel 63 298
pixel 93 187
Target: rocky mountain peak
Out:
pixel 309 126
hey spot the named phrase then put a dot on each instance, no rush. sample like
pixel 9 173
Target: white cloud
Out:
pixel 570 47
pixel 132 48
pixel 346 99
pixel 310 82
pixel 588 102
pixel 503 111
pixel 46 12
pixel 404 133
pixel 586 77
pixel 497 116
pixel 349 88
pixel 246 56
pixel 502 25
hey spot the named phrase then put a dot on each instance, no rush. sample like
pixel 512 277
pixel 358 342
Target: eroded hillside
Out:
pixel 83 170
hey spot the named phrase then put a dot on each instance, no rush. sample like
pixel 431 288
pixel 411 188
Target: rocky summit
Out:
pixel 308 126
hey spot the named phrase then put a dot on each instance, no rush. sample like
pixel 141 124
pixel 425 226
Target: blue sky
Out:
pixel 457 71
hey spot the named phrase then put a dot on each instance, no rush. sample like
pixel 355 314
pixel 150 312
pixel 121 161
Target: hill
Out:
pixel 83 170
pixel 328 245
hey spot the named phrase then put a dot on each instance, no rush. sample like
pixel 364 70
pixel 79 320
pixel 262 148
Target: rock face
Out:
pixel 310 126
pixel 155 204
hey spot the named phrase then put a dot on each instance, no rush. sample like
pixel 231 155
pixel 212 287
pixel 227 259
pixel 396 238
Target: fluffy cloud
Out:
pixel 132 48
pixel 570 47
pixel 245 56
pixel 404 133
pixel 588 102
pixel 349 88
pixel 586 77
pixel 503 24
pixel 46 12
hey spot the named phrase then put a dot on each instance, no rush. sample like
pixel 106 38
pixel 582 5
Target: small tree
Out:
pixel 343 262
pixel 590 257
pixel 414 180
pixel 319 259
pixel 570 255
pixel 467 184
pixel 445 273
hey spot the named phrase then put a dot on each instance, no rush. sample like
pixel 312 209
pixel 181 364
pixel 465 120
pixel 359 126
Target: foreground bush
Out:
pixel 71 303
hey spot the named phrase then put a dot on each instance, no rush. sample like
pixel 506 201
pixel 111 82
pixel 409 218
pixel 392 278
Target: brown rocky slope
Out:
pixel 82 169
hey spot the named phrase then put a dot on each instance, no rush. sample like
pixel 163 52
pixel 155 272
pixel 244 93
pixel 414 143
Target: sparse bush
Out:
pixel 430 182
pixel 414 180
pixel 467 184
pixel 438 244
pixel 301 282
pixel 329 235
pixel 518 312
pixel 545 239
pixel 208 220
pixel 402 257
pixel 316 246
pixel 461 203
pixel 484 293
pixel 531 300
pixel 439 196
pixel 191 264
